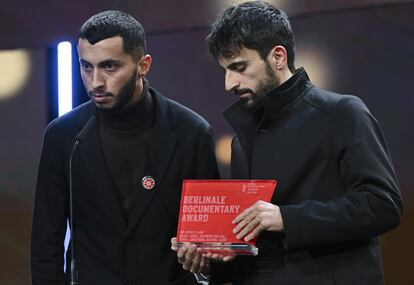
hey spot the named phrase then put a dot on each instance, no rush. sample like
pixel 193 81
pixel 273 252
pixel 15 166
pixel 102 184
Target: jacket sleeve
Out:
pixel 50 214
pixel 372 204
pixel 206 164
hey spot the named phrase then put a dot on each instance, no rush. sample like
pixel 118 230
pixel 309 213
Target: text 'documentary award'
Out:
pixel 208 208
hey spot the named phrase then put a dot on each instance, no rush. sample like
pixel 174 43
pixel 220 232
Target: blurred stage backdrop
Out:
pixel 364 48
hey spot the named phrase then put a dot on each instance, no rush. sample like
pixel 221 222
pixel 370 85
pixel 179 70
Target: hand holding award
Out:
pixel 209 209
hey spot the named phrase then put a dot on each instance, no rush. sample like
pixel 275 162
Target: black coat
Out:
pixel 337 190
pixel 107 249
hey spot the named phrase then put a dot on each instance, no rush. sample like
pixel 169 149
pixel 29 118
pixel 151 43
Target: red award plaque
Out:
pixel 208 208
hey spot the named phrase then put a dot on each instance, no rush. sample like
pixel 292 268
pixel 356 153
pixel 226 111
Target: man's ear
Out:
pixel 278 56
pixel 144 65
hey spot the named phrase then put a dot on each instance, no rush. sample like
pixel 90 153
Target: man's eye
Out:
pixel 241 68
pixel 111 66
pixel 86 66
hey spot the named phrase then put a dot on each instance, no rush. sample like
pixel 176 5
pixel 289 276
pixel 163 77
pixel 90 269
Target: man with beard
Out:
pixel 337 190
pixel 129 149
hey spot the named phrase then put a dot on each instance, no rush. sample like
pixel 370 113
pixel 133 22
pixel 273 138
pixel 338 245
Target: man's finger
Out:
pixel 174 244
pixel 228 258
pixel 254 233
pixel 242 215
pixel 196 262
pixel 189 256
pixel 182 252
pixel 248 228
pixel 244 222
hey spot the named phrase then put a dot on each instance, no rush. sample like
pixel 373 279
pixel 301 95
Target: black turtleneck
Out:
pixel 126 138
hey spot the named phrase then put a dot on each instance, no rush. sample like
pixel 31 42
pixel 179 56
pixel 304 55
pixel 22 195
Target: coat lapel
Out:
pixel 244 127
pixel 91 153
pixel 163 143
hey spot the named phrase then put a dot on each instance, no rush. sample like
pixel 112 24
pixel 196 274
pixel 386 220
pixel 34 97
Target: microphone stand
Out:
pixel 74 277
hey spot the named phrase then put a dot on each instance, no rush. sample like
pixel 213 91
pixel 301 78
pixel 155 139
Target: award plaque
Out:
pixel 208 208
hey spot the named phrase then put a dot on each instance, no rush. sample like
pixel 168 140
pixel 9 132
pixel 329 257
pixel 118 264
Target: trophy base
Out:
pixel 224 248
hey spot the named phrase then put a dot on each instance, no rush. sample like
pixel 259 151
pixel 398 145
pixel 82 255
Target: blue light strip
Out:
pixel 64 77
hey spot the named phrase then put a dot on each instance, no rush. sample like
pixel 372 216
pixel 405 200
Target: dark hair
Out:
pixel 109 24
pixel 255 25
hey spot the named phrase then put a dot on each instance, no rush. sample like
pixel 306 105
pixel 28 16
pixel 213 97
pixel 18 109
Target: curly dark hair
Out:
pixel 255 25
pixel 112 23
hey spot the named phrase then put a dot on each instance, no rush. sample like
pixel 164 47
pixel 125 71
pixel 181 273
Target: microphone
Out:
pixel 74 278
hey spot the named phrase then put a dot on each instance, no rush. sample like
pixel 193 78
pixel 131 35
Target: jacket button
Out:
pixel 301 82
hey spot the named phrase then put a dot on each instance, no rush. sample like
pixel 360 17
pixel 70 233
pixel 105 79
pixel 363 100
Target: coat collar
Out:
pixel 285 95
pixel 277 100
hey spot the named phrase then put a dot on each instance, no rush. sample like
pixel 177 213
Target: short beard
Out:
pixel 264 86
pixel 124 96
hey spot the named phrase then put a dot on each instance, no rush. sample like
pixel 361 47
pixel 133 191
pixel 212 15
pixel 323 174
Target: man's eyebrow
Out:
pixel 104 62
pixel 84 61
pixel 110 60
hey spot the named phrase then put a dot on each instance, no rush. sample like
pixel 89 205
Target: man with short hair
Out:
pixel 337 190
pixel 133 149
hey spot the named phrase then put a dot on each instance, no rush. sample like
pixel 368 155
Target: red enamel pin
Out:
pixel 148 182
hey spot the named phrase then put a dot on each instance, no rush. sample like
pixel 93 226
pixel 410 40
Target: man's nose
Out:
pixel 231 81
pixel 97 80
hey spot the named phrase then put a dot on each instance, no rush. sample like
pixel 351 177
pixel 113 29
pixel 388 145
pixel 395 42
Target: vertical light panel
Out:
pixel 64 51
pixel 64 77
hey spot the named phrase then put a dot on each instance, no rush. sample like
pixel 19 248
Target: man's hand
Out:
pixel 194 260
pixel 191 257
pixel 262 216
pixel 217 257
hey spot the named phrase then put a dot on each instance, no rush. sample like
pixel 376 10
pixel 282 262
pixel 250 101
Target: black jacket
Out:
pixel 337 190
pixel 108 250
